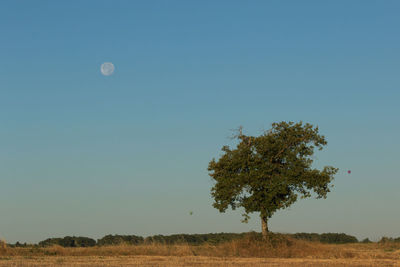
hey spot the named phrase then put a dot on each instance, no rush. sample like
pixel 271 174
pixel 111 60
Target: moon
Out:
pixel 107 68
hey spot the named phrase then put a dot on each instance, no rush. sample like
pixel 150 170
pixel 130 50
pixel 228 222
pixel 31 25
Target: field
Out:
pixel 243 252
pixel 187 261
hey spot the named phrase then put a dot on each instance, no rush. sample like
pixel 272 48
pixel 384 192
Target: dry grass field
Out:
pixel 244 252
pixel 170 261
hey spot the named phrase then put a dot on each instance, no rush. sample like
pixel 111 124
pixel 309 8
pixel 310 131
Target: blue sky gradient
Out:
pixel 84 154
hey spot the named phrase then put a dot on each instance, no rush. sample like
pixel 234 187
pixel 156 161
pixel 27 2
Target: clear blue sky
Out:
pixel 85 154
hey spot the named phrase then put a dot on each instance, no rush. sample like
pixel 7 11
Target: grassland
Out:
pixel 243 252
pixel 171 261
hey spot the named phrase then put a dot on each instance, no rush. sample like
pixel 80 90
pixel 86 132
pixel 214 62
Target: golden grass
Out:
pixel 172 261
pixel 279 251
pixel 247 247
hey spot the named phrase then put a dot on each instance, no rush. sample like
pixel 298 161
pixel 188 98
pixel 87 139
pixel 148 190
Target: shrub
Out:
pixel 331 238
pixel 194 239
pixel 109 240
pixel 69 241
pixel 334 238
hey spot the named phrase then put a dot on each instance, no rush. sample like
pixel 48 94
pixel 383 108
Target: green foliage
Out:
pixel 197 239
pixel 194 239
pixel 69 241
pixel 307 236
pixel 50 242
pixel 269 172
pixel 338 238
pixel 120 239
pixel 331 238
pixel 366 240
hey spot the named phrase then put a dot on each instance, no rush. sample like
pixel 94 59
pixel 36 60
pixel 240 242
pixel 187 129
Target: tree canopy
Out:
pixel 271 171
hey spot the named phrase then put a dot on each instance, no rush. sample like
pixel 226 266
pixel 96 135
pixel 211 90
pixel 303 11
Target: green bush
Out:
pixel 194 239
pixel 331 238
pixel 69 241
pixel 110 240
pixel 197 239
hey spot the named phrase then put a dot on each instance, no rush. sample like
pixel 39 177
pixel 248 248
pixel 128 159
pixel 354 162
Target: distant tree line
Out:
pixel 110 240
pixel 69 241
pixel 194 239
pixel 330 238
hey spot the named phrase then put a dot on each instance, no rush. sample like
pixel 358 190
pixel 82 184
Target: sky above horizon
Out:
pixel 89 155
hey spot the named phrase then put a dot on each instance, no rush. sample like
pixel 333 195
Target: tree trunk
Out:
pixel 264 227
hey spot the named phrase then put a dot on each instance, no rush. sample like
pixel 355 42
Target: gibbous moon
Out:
pixel 107 68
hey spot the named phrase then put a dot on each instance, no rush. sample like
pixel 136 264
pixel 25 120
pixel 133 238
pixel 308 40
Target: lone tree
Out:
pixel 269 172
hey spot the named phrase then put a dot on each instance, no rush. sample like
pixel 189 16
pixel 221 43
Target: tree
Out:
pixel 269 172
